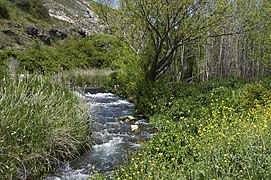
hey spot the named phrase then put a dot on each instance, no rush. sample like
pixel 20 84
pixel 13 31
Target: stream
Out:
pixel 113 139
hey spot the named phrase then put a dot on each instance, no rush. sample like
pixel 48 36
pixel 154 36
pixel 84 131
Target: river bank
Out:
pixel 206 130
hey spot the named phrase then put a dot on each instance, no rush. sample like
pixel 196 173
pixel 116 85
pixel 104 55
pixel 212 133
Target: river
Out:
pixel 113 139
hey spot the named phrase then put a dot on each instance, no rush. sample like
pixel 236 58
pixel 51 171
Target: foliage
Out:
pixel 164 27
pixel 111 51
pixel 34 7
pixel 79 53
pixel 95 51
pixel 127 81
pixel 24 5
pixel 4 12
pixel 205 132
pixel 3 69
pixel 42 123
pixel 85 78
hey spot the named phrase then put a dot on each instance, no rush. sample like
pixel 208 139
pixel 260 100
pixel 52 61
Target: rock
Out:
pixel 135 129
pixel 45 38
pixel 127 118
pixel 116 86
pixel 57 34
pixel 76 12
pixel 13 35
pixel 13 65
pixel 141 121
pixel 23 77
pixel 8 32
pixel 81 33
pixel 32 31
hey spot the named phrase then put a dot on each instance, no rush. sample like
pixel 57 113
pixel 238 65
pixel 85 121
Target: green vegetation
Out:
pixel 184 75
pixel 164 56
pixel 24 10
pixel 85 78
pixel 210 130
pixel 193 39
pixel 95 51
pixel 42 123
pixel 34 7
pixel 4 12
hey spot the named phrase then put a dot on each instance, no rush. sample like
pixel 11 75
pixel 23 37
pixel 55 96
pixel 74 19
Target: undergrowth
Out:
pixel 95 51
pixel 207 130
pixel 85 78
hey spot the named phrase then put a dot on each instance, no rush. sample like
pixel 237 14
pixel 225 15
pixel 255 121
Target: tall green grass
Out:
pixel 85 77
pixel 41 124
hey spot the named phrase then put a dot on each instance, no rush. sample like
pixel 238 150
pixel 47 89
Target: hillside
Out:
pixel 23 22
pixel 76 12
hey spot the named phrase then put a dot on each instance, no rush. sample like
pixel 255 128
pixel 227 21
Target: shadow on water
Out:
pixel 113 139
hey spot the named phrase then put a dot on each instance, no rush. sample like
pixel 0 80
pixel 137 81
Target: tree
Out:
pixel 161 27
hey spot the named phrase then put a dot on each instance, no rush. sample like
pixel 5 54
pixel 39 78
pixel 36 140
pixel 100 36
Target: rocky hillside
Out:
pixel 76 12
pixel 24 22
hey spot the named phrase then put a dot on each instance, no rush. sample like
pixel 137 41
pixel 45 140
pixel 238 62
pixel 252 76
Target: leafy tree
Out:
pixel 156 29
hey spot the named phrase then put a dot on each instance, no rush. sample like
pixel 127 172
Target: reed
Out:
pixel 42 123
pixel 85 77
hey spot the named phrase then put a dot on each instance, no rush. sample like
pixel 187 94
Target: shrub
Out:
pixel 254 94
pixel 4 12
pixel 24 5
pixel 95 52
pixel 34 7
pixel 80 53
pixel 39 10
pixel 110 50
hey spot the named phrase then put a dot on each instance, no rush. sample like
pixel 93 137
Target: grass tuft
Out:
pixel 42 123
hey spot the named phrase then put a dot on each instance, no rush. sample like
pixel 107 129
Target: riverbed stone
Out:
pixel 135 128
pixel 127 118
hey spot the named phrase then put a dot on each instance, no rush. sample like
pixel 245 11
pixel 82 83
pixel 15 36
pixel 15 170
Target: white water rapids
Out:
pixel 113 139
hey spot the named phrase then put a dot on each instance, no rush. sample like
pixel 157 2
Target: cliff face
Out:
pixel 71 18
pixel 76 12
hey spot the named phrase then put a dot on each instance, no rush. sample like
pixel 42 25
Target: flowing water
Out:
pixel 112 138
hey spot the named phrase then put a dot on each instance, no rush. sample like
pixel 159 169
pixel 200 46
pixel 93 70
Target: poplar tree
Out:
pixel 158 28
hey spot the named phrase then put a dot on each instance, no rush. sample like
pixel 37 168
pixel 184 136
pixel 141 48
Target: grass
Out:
pixel 85 77
pixel 42 123
pixel 211 130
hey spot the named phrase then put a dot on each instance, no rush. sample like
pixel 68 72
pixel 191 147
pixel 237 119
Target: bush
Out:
pixel 97 51
pixel 39 10
pixel 4 12
pixel 34 7
pixel 79 53
pixel 110 50
pixel 41 124
pixel 24 5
